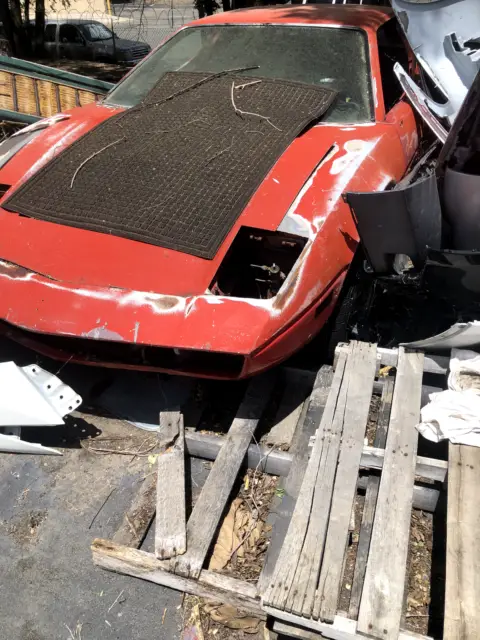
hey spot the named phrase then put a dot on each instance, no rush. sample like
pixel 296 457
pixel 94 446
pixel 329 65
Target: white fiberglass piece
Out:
pixel 31 397
pixel 13 444
pixel 445 38
pixel 422 103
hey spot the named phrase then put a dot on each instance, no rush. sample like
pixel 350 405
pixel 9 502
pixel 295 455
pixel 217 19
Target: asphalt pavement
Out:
pixel 51 508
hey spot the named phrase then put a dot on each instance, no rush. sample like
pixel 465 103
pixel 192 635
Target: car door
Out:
pixel 71 42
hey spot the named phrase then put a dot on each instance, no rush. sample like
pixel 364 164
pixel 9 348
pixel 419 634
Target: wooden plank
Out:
pixel 210 505
pixel 137 519
pixel 388 357
pixel 141 512
pixel 286 630
pixel 341 629
pixel 370 504
pixel 302 590
pixel 431 468
pixel 431 363
pixel 462 593
pixel 278 590
pixel 360 385
pixel 210 585
pixel 381 604
pixel 283 506
pixel 171 520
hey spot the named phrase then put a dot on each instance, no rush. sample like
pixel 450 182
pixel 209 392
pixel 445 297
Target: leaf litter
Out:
pixel 239 551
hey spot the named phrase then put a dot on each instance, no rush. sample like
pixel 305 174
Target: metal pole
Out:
pixel 113 32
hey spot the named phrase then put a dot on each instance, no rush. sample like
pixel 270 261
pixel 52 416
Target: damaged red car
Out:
pixel 193 221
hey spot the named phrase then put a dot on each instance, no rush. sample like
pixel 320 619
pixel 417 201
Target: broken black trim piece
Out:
pixel 405 220
pixel 455 275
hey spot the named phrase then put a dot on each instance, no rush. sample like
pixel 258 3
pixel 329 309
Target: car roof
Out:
pixel 360 16
pixel 73 21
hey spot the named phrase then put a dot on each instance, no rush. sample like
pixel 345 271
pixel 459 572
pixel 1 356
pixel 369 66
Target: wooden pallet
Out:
pixel 303 570
pixel 306 583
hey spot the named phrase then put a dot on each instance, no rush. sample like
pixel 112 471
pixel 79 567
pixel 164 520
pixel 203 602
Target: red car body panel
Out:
pixel 66 281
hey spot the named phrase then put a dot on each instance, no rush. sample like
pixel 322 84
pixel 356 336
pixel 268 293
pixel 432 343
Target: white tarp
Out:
pixel 455 414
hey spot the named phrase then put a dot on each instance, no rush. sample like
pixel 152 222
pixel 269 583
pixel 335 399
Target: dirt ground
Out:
pixel 419 572
pixel 100 70
pixel 197 616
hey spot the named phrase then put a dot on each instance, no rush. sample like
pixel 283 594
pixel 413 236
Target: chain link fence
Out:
pixel 146 21
pixel 150 22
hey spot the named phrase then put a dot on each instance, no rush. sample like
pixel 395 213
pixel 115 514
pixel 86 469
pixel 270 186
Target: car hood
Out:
pixel 82 257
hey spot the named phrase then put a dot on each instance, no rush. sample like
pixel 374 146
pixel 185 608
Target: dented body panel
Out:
pixel 71 283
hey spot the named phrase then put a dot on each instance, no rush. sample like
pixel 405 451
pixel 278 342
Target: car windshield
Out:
pixel 336 58
pixel 96 31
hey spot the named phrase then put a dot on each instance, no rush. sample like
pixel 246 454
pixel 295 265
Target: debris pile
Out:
pixel 243 537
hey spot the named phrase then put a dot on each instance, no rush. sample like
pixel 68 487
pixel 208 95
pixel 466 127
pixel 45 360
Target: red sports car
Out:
pixel 127 258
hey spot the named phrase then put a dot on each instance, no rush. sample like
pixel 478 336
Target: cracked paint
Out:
pixel 295 223
pixel 135 331
pixel 102 333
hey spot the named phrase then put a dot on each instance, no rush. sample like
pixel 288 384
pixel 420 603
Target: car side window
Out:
pixel 392 49
pixel 50 32
pixel 70 34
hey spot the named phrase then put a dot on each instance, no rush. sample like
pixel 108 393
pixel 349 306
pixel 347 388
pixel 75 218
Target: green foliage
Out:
pixel 22 38
pixel 206 7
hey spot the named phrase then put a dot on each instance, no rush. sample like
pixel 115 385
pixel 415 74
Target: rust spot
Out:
pixel 165 303
pixel 13 270
pixel 102 333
